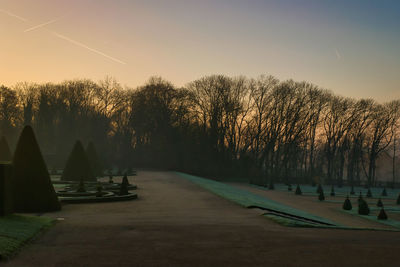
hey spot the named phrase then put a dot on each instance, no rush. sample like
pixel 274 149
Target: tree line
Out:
pixel 260 129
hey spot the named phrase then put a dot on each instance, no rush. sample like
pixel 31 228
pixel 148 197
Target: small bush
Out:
pixel 81 187
pixel 382 215
pixel 298 190
pixel 332 191
pixel 384 193
pixel 363 208
pixel 319 189
pixel 347 204
pixel 321 196
pixel 124 186
pixel 379 204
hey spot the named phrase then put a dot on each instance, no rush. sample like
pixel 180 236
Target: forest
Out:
pixel 259 129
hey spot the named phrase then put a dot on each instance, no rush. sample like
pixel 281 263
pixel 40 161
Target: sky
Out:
pixel 351 47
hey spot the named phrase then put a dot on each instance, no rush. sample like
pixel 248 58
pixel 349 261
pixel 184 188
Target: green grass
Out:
pixel 246 198
pixel 16 230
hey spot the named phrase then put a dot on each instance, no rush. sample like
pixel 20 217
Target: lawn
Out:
pixel 247 199
pixel 16 230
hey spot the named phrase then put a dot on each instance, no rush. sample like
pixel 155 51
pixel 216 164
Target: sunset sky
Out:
pixel 351 47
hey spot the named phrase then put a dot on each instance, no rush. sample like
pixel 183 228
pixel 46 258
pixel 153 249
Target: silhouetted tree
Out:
pixel 78 166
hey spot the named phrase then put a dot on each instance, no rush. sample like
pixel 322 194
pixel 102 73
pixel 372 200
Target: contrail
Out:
pixel 338 54
pixel 13 15
pixel 41 25
pixel 87 47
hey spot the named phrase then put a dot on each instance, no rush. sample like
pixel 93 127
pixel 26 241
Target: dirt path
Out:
pixel 331 211
pixel 176 223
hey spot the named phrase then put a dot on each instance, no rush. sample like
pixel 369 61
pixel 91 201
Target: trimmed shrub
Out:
pixel 319 189
pixel 81 187
pixel 5 152
pixel 384 193
pixel 382 215
pixel 332 191
pixel 78 166
pixel 321 196
pixel 379 204
pixel 124 186
pixel 363 208
pixel 347 204
pixel 32 187
pixel 94 160
pixel 298 190
pixel 369 193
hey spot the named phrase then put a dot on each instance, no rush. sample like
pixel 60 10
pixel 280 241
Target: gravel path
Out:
pixel 176 223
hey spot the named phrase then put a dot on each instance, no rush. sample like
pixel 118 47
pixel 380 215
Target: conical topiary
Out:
pixel 379 204
pixel 5 152
pixel 384 193
pixel 124 186
pixel 369 193
pixel 382 215
pixel 298 190
pixel 347 204
pixel 78 166
pixel 321 196
pixel 363 208
pixel 32 187
pixel 332 191
pixel 319 188
pixel 94 160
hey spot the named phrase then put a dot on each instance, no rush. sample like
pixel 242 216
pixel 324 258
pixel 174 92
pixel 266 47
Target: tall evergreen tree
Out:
pixel 32 187
pixel 78 166
pixel 5 152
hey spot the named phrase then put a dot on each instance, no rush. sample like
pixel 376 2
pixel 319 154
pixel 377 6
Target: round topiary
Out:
pixel 347 204
pixel 124 186
pixel 332 191
pixel 94 160
pixel 32 187
pixel 384 193
pixel 5 152
pixel 382 215
pixel 363 208
pixel 369 193
pixel 379 204
pixel 289 187
pixel 321 196
pixel 78 166
pixel 298 190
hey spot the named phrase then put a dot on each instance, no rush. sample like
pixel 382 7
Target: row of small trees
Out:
pixel 262 129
